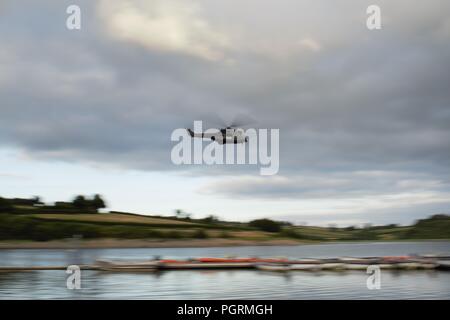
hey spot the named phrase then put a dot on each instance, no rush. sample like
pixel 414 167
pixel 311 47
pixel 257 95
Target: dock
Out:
pixel 264 264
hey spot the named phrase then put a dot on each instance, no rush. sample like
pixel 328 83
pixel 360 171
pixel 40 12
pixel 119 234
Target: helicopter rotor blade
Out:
pixel 242 120
pixel 216 120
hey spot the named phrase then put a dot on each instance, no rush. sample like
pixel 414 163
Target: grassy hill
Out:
pixel 114 218
pixel 30 219
pixel 34 225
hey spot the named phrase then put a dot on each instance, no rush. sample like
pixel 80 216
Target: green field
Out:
pixel 33 225
pixel 113 218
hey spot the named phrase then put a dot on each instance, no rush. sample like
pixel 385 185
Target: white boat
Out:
pixel 205 265
pixel 307 261
pixel 386 266
pixel 306 266
pixel 352 260
pixel 408 265
pixel 443 264
pixel 107 265
pixel 356 266
pixel 273 267
pixel 428 266
pixel 333 266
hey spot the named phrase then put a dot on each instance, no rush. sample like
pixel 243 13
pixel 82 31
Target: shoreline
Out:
pixel 191 243
pixel 142 243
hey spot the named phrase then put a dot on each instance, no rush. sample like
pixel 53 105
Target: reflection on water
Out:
pixel 227 284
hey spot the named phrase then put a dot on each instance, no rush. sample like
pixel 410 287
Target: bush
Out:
pixel 265 225
pixel 225 235
pixel 436 227
pixel 174 235
pixel 364 234
pixel 200 234
pixel 5 205
pixel 291 233
pixel 210 220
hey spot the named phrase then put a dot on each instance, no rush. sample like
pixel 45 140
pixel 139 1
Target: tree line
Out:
pixel 80 204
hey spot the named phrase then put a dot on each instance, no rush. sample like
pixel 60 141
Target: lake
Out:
pixel 224 284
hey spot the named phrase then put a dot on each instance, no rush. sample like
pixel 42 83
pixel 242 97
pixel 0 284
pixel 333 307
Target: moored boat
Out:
pixel 352 260
pixel 241 260
pixel 273 267
pixel 443 264
pixel 408 265
pixel 107 265
pixel 306 267
pixel 333 266
pixel 385 266
pixel 306 261
pixel 356 266
pixel 205 265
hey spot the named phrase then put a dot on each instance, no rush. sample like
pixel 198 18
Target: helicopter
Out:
pixel 222 136
pixel 233 133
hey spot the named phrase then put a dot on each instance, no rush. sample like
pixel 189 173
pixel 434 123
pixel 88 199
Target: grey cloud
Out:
pixel 402 216
pixel 362 101
pixel 330 185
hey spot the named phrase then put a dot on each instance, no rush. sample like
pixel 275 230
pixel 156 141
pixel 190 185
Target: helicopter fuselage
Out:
pixel 222 136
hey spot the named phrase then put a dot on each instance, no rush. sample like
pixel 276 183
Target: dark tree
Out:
pixel 210 219
pixel 98 202
pixel 5 205
pixel 179 213
pixel 200 234
pixel 80 202
pixel 265 225
pixel 37 200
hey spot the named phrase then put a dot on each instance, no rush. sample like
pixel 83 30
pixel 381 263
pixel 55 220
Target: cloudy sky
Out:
pixel 364 116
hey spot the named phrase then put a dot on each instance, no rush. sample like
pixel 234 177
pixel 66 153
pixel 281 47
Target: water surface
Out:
pixel 226 284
